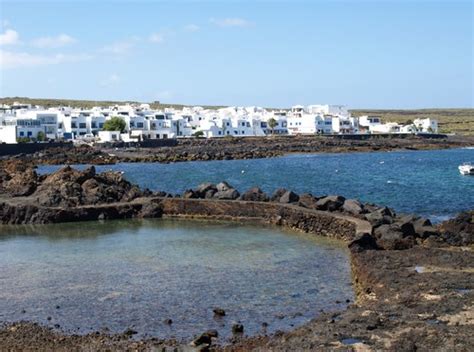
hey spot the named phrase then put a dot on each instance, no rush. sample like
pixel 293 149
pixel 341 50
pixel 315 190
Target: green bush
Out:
pixel 115 124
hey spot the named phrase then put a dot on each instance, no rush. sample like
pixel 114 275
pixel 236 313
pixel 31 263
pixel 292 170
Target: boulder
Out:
pixel 352 206
pixel 376 219
pixel 289 197
pixel 229 194
pixel 307 201
pixel 330 203
pixel 204 188
pixel 189 193
pixel 237 328
pixel 21 184
pixel 277 194
pixel 223 186
pixel 390 237
pixel 255 194
pixel 362 243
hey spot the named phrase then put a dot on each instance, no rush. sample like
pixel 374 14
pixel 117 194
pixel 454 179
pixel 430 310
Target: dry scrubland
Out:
pixel 459 121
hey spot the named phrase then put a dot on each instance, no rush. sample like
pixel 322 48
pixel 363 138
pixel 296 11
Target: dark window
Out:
pixel 243 124
pixel 73 125
pixel 82 125
pixel 93 125
pixel 165 136
pixel 140 124
pixel 22 134
pixel 132 124
pixel 29 133
pixel 101 125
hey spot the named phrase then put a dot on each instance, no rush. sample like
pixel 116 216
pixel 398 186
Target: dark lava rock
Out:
pixel 352 206
pixel 330 203
pixel 229 194
pixel 289 197
pixel 307 201
pixel 21 184
pixel 206 189
pixel 278 194
pixel 189 193
pixel 362 243
pixel 391 237
pixel 168 321
pixel 237 328
pixel 129 332
pixel 205 338
pixel 219 312
pixel 255 194
pixel 377 219
pixel 223 186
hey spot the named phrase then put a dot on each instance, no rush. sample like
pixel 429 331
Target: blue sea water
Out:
pixel 424 182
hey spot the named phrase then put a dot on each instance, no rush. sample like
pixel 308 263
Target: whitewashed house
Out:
pixel 426 125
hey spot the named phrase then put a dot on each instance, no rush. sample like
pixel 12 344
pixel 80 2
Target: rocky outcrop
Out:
pixel 72 195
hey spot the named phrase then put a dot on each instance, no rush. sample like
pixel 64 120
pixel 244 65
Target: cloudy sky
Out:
pixel 384 54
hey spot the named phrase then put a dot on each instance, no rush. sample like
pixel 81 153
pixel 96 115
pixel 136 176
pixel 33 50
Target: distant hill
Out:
pixel 87 104
pixel 459 121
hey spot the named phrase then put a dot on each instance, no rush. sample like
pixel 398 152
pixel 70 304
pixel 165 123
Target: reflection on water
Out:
pixel 133 273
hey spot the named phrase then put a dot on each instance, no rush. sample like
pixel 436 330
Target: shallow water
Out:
pixel 423 182
pixel 135 274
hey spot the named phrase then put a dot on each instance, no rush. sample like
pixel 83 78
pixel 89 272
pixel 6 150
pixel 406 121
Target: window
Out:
pixel 165 136
pixel 93 125
pixel 73 125
pixel 132 124
pixel 243 124
pixel 248 124
pixel 227 124
pixel 235 132
pixel 22 134
pixel 140 124
pixel 82 125
pixel 243 132
pixel 101 125
pixel 219 132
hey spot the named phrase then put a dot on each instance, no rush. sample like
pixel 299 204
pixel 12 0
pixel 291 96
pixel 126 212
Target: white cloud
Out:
pixel 119 48
pixel 9 59
pixel 5 23
pixel 10 37
pixel 53 42
pixel 231 22
pixel 112 80
pixel 191 28
pixel 156 38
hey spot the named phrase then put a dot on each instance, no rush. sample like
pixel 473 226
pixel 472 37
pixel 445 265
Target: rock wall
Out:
pixel 292 216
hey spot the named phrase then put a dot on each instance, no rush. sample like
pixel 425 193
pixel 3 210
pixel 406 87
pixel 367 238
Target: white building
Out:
pixel 426 125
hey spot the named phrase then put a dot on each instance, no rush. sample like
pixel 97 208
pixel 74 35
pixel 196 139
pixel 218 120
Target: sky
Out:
pixel 379 54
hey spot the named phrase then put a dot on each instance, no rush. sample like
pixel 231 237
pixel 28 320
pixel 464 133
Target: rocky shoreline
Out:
pixel 414 281
pixel 237 148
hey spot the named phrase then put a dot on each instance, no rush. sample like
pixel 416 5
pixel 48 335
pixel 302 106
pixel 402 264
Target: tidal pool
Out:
pixel 136 274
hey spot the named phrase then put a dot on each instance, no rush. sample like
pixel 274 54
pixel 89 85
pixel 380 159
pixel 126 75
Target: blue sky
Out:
pixel 384 54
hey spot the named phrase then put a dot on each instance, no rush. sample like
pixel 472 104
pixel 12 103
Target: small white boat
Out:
pixel 466 169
